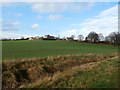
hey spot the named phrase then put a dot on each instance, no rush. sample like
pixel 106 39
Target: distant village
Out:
pixel 49 37
pixel 93 37
pixel 46 37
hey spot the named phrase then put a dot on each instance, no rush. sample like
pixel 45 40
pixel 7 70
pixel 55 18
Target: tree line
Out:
pixel 93 37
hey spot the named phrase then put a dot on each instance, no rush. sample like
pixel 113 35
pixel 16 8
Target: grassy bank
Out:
pixel 71 71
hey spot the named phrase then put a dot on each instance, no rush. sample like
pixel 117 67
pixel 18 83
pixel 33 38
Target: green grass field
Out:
pixel 40 49
pixel 79 65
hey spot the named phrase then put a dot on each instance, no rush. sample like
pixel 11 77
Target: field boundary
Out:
pixel 50 79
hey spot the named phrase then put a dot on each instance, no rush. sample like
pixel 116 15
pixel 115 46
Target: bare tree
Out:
pixel 113 37
pixel 118 38
pixel 92 37
pixel 73 36
pixel 80 37
pixel 101 37
pixel 107 39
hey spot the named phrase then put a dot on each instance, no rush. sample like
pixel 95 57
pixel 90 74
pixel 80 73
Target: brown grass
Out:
pixel 32 71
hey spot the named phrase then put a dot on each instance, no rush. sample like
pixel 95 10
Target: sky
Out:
pixel 26 19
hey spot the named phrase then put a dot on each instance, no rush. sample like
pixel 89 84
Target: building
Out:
pixel 69 39
pixel 31 38
pixel 48 37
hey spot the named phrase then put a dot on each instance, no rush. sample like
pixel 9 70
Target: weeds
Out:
pixel 61 71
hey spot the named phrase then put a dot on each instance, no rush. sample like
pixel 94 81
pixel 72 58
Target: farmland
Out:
pixel 59 64
pixel 41 49
pixel 66 44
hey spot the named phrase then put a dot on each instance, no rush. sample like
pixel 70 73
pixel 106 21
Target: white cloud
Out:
pixel 105 22
pixel 10 25
pixel 47 7
pixel 57 7
pixel 55 17
pixel 69 32
pixel 8 35
pixel 13 35
pixel 35 26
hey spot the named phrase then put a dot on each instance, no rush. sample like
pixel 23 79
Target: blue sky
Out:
pixel 61 18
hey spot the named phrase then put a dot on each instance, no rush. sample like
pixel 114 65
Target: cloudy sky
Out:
pixel 57 18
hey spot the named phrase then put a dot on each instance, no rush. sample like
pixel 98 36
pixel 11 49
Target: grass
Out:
pixel 58 64
pixel 41 49
pixel 93 75
pixel 71 71
pixel 104 76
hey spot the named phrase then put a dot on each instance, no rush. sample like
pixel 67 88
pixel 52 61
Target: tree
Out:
pixel 80 37
pixel 73 36
pixel 118 38
pixel 92 37
pixel 114 37
pixel 86 39
pixel 107 39
pixel 22 38
pixel 101 37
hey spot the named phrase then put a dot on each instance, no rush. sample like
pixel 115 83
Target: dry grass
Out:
pixel 48 72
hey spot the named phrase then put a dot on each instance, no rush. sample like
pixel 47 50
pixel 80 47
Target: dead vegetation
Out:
pixel 38 72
